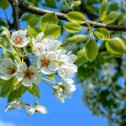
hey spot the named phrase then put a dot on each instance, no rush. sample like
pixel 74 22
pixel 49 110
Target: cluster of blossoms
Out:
pixel 46 58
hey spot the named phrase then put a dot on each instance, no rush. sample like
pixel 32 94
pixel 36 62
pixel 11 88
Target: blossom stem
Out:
pixel 43 79
pixel 48 85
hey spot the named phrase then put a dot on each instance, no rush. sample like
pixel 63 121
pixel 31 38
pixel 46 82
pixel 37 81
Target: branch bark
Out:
pixel 14 4
pixel 35 10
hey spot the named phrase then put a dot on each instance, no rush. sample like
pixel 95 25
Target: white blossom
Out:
pixel 38 39
pixel 51 44
pixel 13 105
pixel 46 62
pixel 28 75
pixel 5 32
pixel 31 110
pixel 65 57
pixel 7 68
pixel 19 39
pixel 67 70
pixel 64 89
pixel 38 49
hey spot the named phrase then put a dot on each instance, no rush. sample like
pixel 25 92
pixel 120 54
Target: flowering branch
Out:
pixel 35 10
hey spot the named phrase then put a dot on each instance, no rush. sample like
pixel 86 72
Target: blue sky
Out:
pixel 71 113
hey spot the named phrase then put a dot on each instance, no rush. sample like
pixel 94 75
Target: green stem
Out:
pixel 43 79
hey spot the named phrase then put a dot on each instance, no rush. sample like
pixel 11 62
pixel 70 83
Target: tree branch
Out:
pixel 35 10
pixel 14 4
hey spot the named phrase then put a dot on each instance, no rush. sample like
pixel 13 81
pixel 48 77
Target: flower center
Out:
pixel 12 70
pixel 18 41
pixel 44 62
pixel 28 74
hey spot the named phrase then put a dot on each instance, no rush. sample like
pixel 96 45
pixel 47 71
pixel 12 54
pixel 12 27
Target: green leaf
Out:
pixel 33 20
pixel 75 17
pixel 31 31
pixel 81 58
pixel 76 39
pixel 111 17
pixel 26 17
pixel 4 42
pixel 103 10
pixel 91 50
pixel 4 4
pixel 50 3
pixel 6 87
pixel 17 93
pixel 73 27
pixel 47 19
pixel 15 54
pixel 102 34
pixel 34 90
pixel 52 30
pixel 116 46
pixel 51 77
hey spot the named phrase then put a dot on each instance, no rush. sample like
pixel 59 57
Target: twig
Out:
pixel 35 10
pixel 14 4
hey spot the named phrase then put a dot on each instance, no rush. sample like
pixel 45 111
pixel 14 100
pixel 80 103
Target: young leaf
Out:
pixel 31 31
pixel 116 47
pixel 77 39
pixel 75 17
pixel 102 34
pixel 73 27
pixel 6 87
pixel 91 50
pixel 52 30
pixel 103 10
pixel 16 93
pixel 111 17
pixel 50 3
pixel 51 77
pixel 34 90
pixel 49 18
pixel 33 20
pixel 81 58
pixel 4 4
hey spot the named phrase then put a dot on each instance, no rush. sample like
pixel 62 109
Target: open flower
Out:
pixel 46 62
pixel 7 68
pixel 38 49
pixel 19 39
pixel 65 57
pixel 28 75
pixel 64 89
pixel 38 38
pixel 51 44
pixel 38 46
pixel 13 105
pixel 67 70
pixel 31 110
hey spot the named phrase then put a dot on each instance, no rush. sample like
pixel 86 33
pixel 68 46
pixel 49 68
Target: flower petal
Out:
pixel 36 79
pixel 53 66
pixel 27 82
pixel 41 109
pixel 19 76
pixel 45 70
pixel 51 56
pixel 39 37
pixel 7 62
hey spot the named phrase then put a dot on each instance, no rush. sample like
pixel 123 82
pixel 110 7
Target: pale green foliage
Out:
pixel 91 50
pixel 111 17
pixel 103 10
pixel 75 17
pixel 73 27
